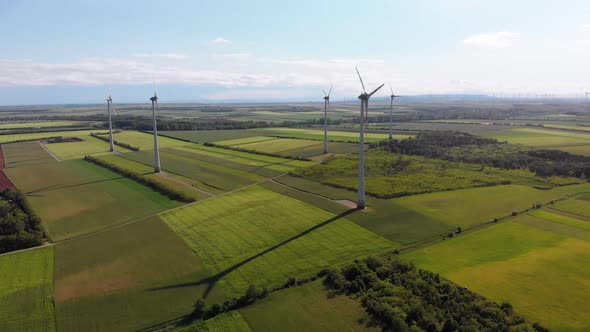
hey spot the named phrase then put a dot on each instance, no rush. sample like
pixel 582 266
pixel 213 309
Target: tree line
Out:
pixel 464 147
pixel 20 227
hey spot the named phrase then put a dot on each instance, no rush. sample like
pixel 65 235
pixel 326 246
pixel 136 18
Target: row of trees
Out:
pixel 20 227
pixel 464 147
pixel 400 297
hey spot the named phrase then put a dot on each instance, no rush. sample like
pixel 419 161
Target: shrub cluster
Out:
pixel 20 227
pixel 121 144
pixel 203 311
pixel 157 186
pixel 400 297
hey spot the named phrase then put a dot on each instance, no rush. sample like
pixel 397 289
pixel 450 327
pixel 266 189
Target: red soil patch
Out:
pixel 5 182
pixel 1 158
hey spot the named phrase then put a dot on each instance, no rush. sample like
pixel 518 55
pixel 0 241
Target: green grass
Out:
pixel 575 206
pixel 547 215
pixel 126 279
pixel 318 134
pixel 246 140
pixel 206 136
pixel 229 321
pixel 207 176
pixel 26 291
pixel 40 124
pixel 541 273
pixel 269 144
pixel 256 236
pixel 306 308
pixel 37 136
pixel 76 197
pixel 541 138
pixel 145 141
pixel 25 153
pixel 77 150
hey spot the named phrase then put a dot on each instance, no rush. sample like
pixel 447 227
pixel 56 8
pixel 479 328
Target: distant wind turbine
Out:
pixel 586 98
pixel 326 106
pixel 364 97
pixel 111 142
pixel 154 100
pixel 393 96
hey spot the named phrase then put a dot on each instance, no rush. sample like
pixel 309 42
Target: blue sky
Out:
pixel 73 51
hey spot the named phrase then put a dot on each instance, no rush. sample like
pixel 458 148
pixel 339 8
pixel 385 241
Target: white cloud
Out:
pixel 586 28
pixel 493 39
pixel 233 56
pixel 173 56
pixel 220 40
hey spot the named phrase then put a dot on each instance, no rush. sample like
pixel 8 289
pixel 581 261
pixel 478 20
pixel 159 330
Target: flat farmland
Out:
pixel 256 236
pixel 307 308
pixel 37 136
pixel 145 141
pixel 41 124
pixel 77 150
pixel 229 321
pixel 541 273
pixel 207 136
pixel 540 138
pixel 556 216
pixel 76 197
pixel 25 153
pixel 207 176
pixel 576 206
pixel 26 291
pixel 318 134
pixel 126 279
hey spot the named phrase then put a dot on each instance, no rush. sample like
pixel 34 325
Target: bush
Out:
pixel 163 189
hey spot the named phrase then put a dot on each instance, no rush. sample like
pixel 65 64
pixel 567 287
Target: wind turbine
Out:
pixel 393 96
pixel 364 97
pixel 154 100
pixel 111 142
pixel 326 106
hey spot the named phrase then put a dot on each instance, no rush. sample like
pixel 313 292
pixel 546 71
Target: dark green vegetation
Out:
pixel 463 147
pixel 149 182
pixel 20 227
pixel 400 297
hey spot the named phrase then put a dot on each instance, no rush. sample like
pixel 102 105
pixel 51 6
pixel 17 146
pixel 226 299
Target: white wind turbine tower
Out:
pixel 154 100
pixel 111 142
pixel 393 96
pixel 364 97
pixel 326 106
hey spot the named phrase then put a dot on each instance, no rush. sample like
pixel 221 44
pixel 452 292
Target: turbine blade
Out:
pixel 370 94
pixel 390 88
pixel 154 85
pixel 360 78
pixel 325 94
pixel 330 92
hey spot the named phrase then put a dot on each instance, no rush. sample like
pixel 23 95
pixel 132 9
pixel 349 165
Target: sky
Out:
pixel 76 51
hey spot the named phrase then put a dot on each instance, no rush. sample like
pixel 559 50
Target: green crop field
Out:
pixel 575 206
pixel 38 136
pixel 318 134
pixel 229 321
pixel 76 150
pixel 26 291
pixel 145 141
pixel 25 153
pixel 127 278
pixel 76 197
pixel 306 308
pixel 41 124
pixel 541 138
pixel 555 216
pixel 583 150
pixel 256 236
pixel 269 144
pixel 207 176
pixel 206 136
pixel 540 272
pixel 246 140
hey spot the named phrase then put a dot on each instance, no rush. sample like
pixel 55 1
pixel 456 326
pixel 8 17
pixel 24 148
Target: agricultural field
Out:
pixel 307 308
pixel 26 291
pixel 145 141
pixel 76 197
pixel 541 272
pixel 77 150
pixel 41 124
pixel 578 206
pixel 208 136
pixel 256 236
pixel 230 321
pixel 318 134
pixel 38 136
pixel 540 138
pixel 24 154
pixel 126 279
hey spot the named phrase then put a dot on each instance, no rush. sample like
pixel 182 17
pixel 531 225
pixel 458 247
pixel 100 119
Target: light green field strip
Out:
pixel 204 136
pixel 318 134
pixel 256 236
pixel 259 159
pixel 241 141
pixel 575 206
pixel 25 153
pixel 145 141
pixel 541 273
pixel 583 150
pixel 227 322
pixel 44 124
pixel 76 150
pixel 26 291
pixel 31 136
pixel 277 145
pixel 547 215
pixel 540 137
pixel 307 308
pixel 580 128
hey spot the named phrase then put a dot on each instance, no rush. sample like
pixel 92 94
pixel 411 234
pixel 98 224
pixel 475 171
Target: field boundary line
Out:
pixel 165 175
pixel 48 151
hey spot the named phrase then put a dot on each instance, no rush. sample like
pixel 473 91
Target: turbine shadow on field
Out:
pixel 51 188
pixel 211 281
